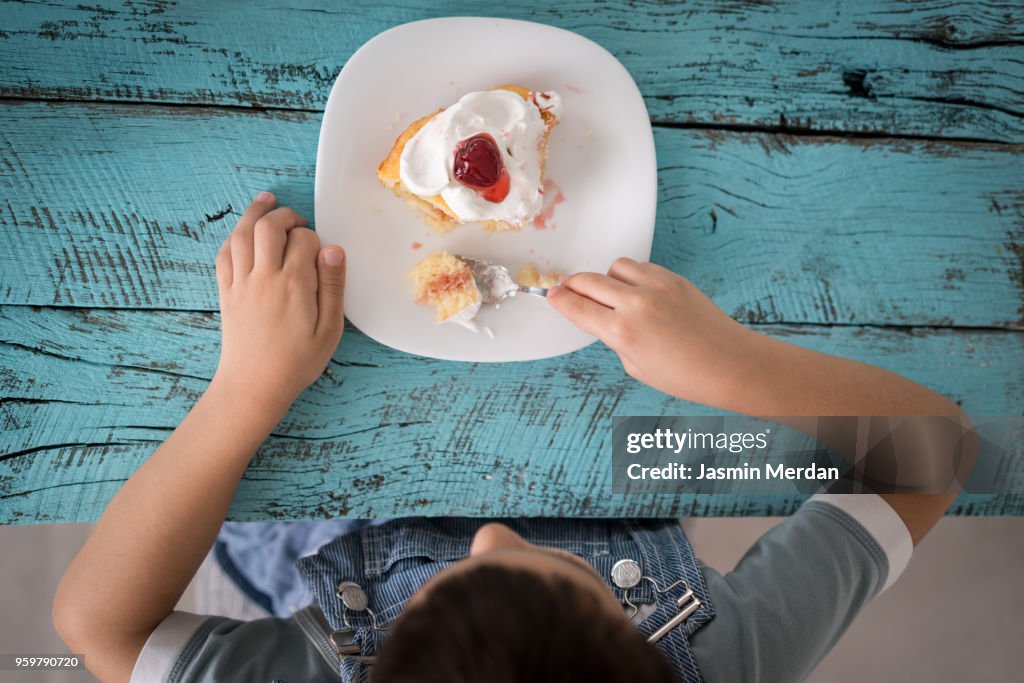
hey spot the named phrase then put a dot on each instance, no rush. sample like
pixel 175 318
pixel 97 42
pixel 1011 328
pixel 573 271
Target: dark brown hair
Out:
pixel 502 625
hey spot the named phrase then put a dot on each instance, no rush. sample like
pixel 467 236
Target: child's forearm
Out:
pixel 792 381
pixel 784 379
pixel 157 530
pixel 282 302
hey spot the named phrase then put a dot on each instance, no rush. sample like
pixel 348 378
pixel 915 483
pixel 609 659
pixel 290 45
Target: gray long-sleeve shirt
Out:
pixel 779 611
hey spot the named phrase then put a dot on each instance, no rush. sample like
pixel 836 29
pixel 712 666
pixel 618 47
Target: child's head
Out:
pixel 514 611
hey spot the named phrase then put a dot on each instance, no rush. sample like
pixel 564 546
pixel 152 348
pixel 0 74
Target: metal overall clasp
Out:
pixel 626 574
pixel 353 599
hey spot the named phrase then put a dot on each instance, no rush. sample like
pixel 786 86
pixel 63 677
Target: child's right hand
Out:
pixel 666 332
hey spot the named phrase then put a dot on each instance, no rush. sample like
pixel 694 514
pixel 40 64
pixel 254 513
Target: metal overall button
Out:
pixel 352 596
pixel 626 574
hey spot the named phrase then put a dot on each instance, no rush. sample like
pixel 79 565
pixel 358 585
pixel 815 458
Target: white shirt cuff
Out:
pixel 881 522
pixel 164 645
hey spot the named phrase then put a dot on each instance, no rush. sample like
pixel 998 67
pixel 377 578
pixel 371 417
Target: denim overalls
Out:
pixel 391 561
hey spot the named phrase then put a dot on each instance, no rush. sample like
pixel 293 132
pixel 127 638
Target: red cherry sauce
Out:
pixel 478 165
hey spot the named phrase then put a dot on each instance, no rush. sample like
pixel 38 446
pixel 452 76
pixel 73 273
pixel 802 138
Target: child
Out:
pixel 534 599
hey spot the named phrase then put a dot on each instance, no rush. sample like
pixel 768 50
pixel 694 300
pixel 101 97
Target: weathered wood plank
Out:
pixel 88 394
pixel 927 68
pixel 116 206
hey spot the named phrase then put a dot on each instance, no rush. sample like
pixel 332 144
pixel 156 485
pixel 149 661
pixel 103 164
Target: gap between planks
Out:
pixel 351 328
pixel 782 129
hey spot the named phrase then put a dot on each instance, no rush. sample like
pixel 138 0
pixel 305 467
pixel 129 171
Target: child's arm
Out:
pixel 671 336
pixel 281 310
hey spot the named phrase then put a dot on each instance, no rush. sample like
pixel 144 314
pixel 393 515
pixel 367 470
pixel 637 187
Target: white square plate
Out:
pixel 600 155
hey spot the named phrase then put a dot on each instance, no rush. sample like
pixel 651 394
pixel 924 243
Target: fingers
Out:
pixel 603 289
pixel 270 235
pixel 584 313
pixel 300 253
pixel 629 271
pixel 330 294
pixel 662 274
pixel 259 239
pixel 241 238
pixel 224 265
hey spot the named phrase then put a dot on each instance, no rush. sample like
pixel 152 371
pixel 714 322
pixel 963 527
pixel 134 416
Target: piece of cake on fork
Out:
pixel 446 283
pixel 481 160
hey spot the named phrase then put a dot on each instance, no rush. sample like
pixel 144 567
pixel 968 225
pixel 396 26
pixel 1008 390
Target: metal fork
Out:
pixel 495 282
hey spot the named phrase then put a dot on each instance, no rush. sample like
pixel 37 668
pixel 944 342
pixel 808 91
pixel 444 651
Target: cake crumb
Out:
pixel 529 276
pixel 417 245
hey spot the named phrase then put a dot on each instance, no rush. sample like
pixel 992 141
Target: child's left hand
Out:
pixel 281 301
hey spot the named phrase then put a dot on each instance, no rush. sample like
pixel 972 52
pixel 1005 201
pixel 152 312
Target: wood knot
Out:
pixel 856 81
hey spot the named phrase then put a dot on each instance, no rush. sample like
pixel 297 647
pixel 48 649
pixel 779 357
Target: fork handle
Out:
pixel 536 291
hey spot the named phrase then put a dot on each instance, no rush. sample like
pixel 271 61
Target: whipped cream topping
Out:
pixel 466 316
pixel 517 128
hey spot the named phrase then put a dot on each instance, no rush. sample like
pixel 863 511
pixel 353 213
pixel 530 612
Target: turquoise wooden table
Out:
pixel 848 176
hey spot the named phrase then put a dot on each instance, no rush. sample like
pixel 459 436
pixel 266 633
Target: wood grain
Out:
pixel 89 394
pixel 115 206
pixel 845 175
pixel 927 68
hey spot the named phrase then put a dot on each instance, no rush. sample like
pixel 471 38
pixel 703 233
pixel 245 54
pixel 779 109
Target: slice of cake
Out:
pixel 480 160
pixel 447 284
